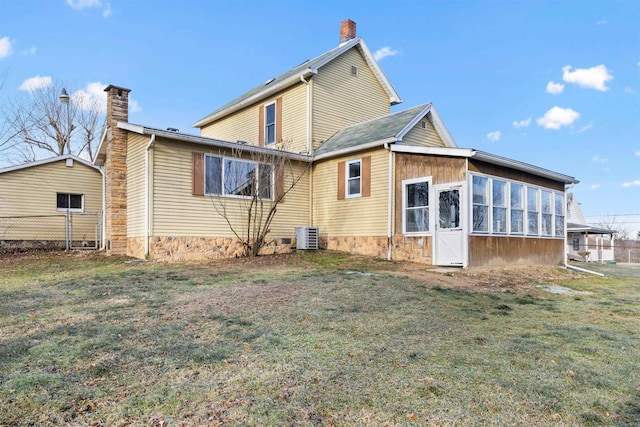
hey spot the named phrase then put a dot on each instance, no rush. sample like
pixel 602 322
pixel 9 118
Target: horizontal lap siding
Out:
pixel 360 216
pixel 179 213
pixel 243 125
pixel 497 250
pixel 501 171
pixel 441 169
pixel 32 191
pixel 135 184
pixel 427 136
pixel 340 99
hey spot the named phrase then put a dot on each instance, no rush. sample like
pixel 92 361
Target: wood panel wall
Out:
pixel 503 250
pixel 501 171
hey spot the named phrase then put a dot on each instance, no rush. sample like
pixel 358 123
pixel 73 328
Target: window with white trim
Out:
pixel 270 123
pixel 559 214
pixel 532 211
pixel 499 198
pixel 237 178
pixel 480 204
pixel 415 213
pixel 69 202
pixel 354 178
pixel 546 220
pixel 517 207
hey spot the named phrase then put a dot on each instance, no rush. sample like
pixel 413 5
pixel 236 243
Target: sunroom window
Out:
pixel 499 192
pixel 559 211
pixel 416 206
pixel 532 210
pixel 480 204
pixel 517 208
pixel 547 214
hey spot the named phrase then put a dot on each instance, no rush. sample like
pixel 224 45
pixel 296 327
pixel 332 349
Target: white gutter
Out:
pixel 104 209
pixel 146 195
pixel 389 202
pixel 308 113
pixel 583 270
pixel 356 148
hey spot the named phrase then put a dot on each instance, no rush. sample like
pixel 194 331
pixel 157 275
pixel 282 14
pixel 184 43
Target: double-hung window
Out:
pixel 499 196
pixel 480 204
pixel 354 178
pixel 517 208
pixel 270 123
pixel 416 205
pixel 70 202
pixel 237 178
pixel 546 222
pixel 559 211
pixel 532 211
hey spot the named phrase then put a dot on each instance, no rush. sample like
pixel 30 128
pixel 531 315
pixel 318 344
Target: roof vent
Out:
pixel 173 129
pixel 241 142
pixel 271 80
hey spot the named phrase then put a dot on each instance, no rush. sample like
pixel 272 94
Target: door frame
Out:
pixel 462 187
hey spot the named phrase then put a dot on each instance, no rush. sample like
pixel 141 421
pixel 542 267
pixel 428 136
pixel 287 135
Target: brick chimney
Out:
pixel 347 30
pixel 116 171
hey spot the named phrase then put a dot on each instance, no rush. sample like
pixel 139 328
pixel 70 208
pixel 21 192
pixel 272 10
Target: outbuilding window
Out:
pixel 480 204
pixel 415 212
pixel 517 208
pixel 532 211
pixel 70 202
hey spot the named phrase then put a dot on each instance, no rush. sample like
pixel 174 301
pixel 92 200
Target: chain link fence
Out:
pixel 65 230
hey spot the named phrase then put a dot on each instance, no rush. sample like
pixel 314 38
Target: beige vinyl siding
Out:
pixel 243 125
pixel 177 212
pixel 426 136
pixel 340 99
pixel 360 216
pixel 135 184
pixel 33 191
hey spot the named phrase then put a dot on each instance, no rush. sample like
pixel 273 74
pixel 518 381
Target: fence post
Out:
pixel 67 229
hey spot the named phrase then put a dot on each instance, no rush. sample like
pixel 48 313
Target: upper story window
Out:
pixel 70 202
pixel 270 123
pixel 415 213
pixel 354 178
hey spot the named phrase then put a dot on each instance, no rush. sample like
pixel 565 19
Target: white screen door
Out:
pixel 449 241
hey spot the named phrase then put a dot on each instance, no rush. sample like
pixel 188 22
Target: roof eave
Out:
pixel 355 148
pixel 49 160
pixel 525 167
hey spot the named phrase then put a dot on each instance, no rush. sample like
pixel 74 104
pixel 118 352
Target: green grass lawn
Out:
pixel 300 341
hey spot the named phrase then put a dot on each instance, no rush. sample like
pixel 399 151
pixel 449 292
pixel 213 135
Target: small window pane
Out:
pixel 516 196
pixel 499 220
pixel 499 193
pixel 532 210
pixel 213 175
pixel 271 114
pixel 559 226
pixel 265 181
pixel 62 201
pixel 354 169
pixel 354 186
pixel 559 199
pixel 418 194
pixel 517 225
pixel 271 134
pixel 417 220
pixel 449 209
pixel 546 202
pixel 239 178
pixel 75 201
pixel 479 190
pixel 480 218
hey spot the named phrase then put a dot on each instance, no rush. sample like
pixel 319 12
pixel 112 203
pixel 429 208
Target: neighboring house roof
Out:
pixel 386 129
pixel 294 75
pixel 584 228
pixel 49 160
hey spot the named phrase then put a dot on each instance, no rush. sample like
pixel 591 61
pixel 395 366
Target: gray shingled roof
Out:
pixel 378 129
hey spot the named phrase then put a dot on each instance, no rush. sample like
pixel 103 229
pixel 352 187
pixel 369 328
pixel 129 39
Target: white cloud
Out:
pixel 592 78
pixel 90 4
pixel 29 52
pixel 522 123
pixel 628 89
pixel 557 117
pixel 601 22
pixel 585 128
pixel 384 52
pixel 5 47
pixel 35 83
pixel 93 97
pixel 598 159
pixel 595 186
pixel 638 153
pixel 494 136
pixel 635 183
pixel 555 88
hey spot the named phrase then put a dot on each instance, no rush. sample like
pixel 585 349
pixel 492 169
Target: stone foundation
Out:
pixel 135 247
pixel 185 249
pixel 375 246
pixel 412 248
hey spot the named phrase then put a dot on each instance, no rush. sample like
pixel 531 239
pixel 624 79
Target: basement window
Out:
pixel 69 202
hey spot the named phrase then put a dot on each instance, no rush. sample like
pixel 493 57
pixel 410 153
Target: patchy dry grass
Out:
pixel 300 341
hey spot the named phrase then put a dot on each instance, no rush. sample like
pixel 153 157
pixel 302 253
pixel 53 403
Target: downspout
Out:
pixel 302 79
pixel 566 241
pixel 104 209
pixel 146 194
pixel 389 201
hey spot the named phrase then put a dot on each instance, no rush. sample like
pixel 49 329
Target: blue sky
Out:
pixel 552 83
